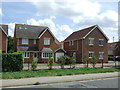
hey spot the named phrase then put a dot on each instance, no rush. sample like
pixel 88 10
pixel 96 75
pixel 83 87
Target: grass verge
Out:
pixel 55 72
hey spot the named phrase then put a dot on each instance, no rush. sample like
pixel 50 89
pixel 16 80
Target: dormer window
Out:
pixel 24 41
pixel 20 27
pixel 91 41
pixel 46 41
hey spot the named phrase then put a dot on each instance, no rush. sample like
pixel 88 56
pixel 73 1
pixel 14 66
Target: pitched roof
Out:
pixel 81 34
pixel 29 31
pixel 4 28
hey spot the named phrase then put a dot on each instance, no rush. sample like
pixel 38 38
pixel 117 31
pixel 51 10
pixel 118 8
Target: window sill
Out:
pixel 100 45
pixel 91 44
pixel 100 58
pixel 26 57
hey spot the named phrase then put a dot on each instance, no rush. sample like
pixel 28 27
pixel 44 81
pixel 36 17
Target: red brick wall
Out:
pixel 3 42
pixel 96 34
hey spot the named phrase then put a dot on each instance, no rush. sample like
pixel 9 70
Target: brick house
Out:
pixel 37 42
pixel 3 38
pixel 88 42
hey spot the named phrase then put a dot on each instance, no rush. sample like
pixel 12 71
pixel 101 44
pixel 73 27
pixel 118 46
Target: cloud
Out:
pixel 1 13
pixel 11 27
pixel 60 31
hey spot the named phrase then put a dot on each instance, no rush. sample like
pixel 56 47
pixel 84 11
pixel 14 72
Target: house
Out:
pixel 117 49
pixel 3 38
pixel 111 49
pixel 88 42
pixel 36 42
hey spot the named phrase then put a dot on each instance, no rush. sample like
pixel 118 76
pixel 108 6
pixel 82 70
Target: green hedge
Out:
pixel 12 62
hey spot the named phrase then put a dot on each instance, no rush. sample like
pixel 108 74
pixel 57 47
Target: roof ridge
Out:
pixel 31 25
pixel 85 28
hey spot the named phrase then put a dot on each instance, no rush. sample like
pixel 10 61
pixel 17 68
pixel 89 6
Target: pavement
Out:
pixel 55 79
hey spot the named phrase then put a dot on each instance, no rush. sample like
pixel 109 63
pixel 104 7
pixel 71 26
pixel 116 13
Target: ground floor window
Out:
pixel 46 55
pixel 26 54
pixel 36 55
pixel 101 55
pixel 91 54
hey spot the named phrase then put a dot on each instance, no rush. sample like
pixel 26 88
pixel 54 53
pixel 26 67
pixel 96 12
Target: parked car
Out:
pixel 117 58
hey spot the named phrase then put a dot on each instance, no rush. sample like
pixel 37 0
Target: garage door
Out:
pixel 58 55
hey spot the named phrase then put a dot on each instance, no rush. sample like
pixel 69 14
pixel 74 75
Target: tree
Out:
pixel 34 65
pixel 61 61
pixel 50 62
pixel 10 48
pixel 85 61
pixel 72 62
pixel 94 61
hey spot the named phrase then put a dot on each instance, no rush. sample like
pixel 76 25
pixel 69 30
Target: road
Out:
pixel 99 83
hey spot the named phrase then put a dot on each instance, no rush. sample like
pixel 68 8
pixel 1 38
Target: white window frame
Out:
pixel 69 43
pixel 101 53
pixel 34 41
pixel 26 54
pixel 101 40
pixel 36 55
pixel 72 42
pixel 46 55
pixel 46 41
pixel 91 52
pixel 91 41
pixel 25 41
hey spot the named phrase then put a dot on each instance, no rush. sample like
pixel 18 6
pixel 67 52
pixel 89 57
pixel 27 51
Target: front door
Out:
pixel 36 57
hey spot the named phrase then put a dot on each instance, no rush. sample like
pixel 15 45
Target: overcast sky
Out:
pixel 62 16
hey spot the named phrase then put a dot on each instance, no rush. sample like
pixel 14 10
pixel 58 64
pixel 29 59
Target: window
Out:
pixel 20 27
pixel 91 41
pixel 46 55
pixel 24 41
pixel 101 42
pixel 34 41
pixel 72 42
pixel 101 55
pixel 69 43
pixel 36 55
pixel 46 41
pixel 26 54
pixel 91 54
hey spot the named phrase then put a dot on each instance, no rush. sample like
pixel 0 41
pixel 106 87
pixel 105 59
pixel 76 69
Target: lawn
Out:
pixel 55 72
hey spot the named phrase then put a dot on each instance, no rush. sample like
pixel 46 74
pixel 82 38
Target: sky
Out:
pixel 62 16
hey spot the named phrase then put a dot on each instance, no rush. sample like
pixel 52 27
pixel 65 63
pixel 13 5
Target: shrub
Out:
pixel 50 62
pixel 94 61
pixel 12 62
pixel 61 61
pixel 33 65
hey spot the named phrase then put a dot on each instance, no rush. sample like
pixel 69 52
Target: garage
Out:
pixel 59 52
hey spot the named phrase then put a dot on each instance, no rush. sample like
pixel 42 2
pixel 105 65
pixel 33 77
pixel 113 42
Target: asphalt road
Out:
pixel 99 83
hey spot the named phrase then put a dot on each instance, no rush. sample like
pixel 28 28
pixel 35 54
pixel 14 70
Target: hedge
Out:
pixel 12 62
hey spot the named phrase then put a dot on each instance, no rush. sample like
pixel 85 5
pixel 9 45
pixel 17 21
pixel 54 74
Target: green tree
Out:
pixel 34 65
pixel 51 61
pixel 72 62
pixel 61 61
pixel 85 61
pixel 10 48
pixel 94 61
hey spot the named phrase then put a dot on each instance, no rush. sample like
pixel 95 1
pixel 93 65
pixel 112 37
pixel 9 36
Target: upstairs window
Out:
pixel 101 42
pixel 91 54
pixel 101 55
pixel 34 41
pixel 69 43
pixel 46 41
pixel 72 42
pixel 91 41
pixel 24 41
